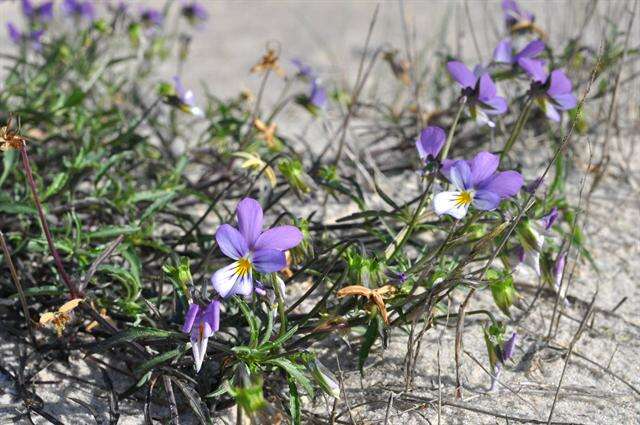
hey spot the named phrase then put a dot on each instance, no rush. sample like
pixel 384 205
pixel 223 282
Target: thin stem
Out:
pixel 281 309
pixel 452 130
pixel 45 227
pixel 522 118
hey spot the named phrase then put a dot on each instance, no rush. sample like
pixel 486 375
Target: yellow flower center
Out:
pixel 464 198
pixel 244 267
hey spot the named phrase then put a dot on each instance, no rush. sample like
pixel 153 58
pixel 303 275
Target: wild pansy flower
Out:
pixel 548 220
pixel 476 182
pixel 201 323
pixel 516 18
pixel 509 348
pixel 504 52
pixel 304 70
pixel 184 99
pixel 252 249
pixel 195 13
pixel 551 91
pixel 79 9
pixel 317 98
pixel 40 13
pixel 32 38
pixel 430 143
pixel 151 18
pixel 318 95
pixel 480 92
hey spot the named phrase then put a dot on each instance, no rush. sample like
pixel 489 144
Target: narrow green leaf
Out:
pixel 294 402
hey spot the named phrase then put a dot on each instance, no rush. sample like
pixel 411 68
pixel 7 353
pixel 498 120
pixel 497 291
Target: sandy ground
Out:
pixel 330 35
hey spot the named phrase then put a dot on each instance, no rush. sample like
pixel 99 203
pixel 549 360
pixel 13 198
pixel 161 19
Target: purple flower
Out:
pixel 318 95
pixel 195 13
pixel 430 143
pixel 151 18
pixel 476 182
pixel 504 52
pixel 548 220
pixel 480 92
pixel 552 91
pixel 514 15
pixel 201 323
pixel 18 37
pixel 79 9
pixel 186 99
pixel 304 70
pixel 509 348
pixel 251 249
pixel 42 13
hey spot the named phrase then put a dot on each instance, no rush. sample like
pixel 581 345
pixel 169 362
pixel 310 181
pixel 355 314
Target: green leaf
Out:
pixel 157 205
pixel 160 359
pixel 56 185
pixel 74 99
pixel 295 372
pixel 111 232
pixel 133 334
pixel 370 337
pixel 195 402
pixel 8 162
pixel 294 402
pixel 252 320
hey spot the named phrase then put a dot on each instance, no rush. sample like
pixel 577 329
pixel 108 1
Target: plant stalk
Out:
pixel 522 118
pixel 452 130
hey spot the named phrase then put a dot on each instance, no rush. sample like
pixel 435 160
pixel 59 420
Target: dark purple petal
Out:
pixel 549 219
pixel 14 33
pixel 504 184
pixel 445 169
pixel 269 260
pixel 560 83
pixel 249 214
pixel 502 53
pixel 565 101
pixel 461 74
pixel 190 317
pixel 534 68
pixel 509 347
pixel 483 166
pixel 44 12
pixel 486 200
pixel 195 12
pixel 496 106
pixel 231 242
pixel 531 50
pixel 558 269
pixel 280 238
pixel 461 175
pixel 212 315
pixel 28 9
pixel 486 88
pixel 431 141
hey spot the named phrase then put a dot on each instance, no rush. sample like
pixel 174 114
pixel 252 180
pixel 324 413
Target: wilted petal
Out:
pixel 280 238
pixel 559 83
pixel 190 317
pixel 485 200
pixel 461 74
pixel 461 175
pixel 231 242
pixel 431 141
pixel 483 166
pixel 502 53
pixel 269 260
pixel 504 184
pixel 565 101
pixel 534 68
pixel 486 88
pixel 531 50
pixel 249 213
pixel 449 203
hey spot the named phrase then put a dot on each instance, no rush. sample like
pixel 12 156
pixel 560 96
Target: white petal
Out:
pixel 447 203
pixel 225 279
pixel 483 119
pixel 197 112
pixel 199 348
pixel 243 286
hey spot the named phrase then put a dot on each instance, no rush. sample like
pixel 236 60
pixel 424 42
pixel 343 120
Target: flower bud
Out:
pixel 503 290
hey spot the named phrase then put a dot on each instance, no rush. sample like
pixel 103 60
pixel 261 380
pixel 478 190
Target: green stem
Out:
pixel 524 114
pixel 281 309
pixel 447 145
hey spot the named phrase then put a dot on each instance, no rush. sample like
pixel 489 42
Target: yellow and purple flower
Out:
pixel 252 249
pixel 516 17
pixel 201 323
pixel 553 91
pixel 40 13
pixel 79 9
pixel 476 182
pixel 184 99
pixel 480 92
